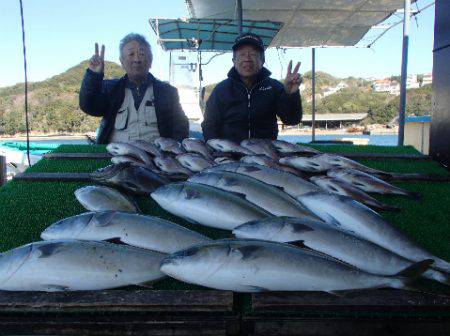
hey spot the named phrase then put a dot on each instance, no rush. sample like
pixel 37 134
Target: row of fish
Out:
pixel 73 258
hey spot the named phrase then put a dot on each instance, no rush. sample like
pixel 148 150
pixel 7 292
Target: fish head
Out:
pixel 12 260
pixel 72 227
pixel 116 148
pixel 259 229
pixel 168 193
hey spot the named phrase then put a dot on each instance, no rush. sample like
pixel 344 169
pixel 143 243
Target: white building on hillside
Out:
pixel 386 85
pixel 335 89
pixel 412 82
pixel 427 78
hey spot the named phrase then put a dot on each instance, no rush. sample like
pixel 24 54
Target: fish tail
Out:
pixel 415 270
pixel 437 276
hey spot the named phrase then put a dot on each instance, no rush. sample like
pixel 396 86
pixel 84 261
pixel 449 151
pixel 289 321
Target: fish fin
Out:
pixel 416 269
pixel 253 289
pixel 248 251
pixel 49 249
pixel 298 243
pixel 147 284
pixel 231 182
pixel 191 194
pixel 103 219
pixel 238 194
pixel 115 240
pixel 55 288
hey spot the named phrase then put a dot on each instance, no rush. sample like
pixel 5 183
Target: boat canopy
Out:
pixel 208 34
pixel 306 23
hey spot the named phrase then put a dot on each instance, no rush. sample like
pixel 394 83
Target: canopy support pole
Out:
pixel 238 15
pixel 402 106
pixel 313 107
pixel 170 67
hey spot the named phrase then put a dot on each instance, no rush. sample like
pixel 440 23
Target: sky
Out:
pixel 61 34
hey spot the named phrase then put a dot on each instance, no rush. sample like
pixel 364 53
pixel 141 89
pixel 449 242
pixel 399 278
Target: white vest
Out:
pixel 136 125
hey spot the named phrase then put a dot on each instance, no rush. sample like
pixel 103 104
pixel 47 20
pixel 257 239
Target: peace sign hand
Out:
pixel 97 62
pixel 293 79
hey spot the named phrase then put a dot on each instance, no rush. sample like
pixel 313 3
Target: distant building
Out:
pixel 412 82
pixel 427 78
pixel 335 89
pixel 386 85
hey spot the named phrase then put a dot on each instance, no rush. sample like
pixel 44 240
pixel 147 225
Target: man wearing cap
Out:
pixel 137 106
pixel 247 103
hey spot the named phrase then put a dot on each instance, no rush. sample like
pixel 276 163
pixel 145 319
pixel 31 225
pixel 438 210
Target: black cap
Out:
pixel 248 38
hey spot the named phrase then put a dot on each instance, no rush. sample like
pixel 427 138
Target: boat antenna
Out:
pixel 26 83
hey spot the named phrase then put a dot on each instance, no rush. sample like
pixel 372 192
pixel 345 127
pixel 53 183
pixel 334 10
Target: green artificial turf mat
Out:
pixel 80 149
pixel 365 149
pixel 67 166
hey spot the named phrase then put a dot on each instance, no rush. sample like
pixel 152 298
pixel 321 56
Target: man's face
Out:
pixel 247 61
pixel 135 59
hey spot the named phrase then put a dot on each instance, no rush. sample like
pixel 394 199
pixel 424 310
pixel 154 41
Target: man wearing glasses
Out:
pixel 247 103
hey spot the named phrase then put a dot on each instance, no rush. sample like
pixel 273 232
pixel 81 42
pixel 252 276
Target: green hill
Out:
pixel 52 103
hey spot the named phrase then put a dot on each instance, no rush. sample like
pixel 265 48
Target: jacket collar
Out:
pixel 262 74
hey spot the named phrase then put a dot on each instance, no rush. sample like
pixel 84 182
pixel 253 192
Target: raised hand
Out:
pixel 293 79
pixel 97 62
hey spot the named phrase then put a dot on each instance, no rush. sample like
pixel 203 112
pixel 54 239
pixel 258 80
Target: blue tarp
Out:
pixel 208 34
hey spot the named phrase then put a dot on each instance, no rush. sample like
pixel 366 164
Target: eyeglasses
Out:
pixel 244 55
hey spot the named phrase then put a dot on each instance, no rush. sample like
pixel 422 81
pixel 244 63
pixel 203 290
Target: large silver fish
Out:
pixel 320 236
pixel 264 195
pixel 193 162
pixel 148 232
pixel 169 145
pixel 292 148
pixel 120 148
pixel 227 146
pixel 289 183
pixel 196 146
pixel 254 266
pixel 348 214
pixel 147 146
pixel 260 146
pixel 171 166
pixel 100 198
pixel 69 265
pixel 128 177
pixel 335 186
pixel 368 183
pixel 207 205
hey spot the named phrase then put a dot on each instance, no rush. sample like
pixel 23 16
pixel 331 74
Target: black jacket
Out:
pixel 103 98
pixel 233 112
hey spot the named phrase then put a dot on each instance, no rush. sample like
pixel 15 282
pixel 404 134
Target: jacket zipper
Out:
pixel 248 103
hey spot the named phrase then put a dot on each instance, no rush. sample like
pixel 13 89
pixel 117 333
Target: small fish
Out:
pixel 99 198
pixel 228 146
pixel 368 183
pixel 120 148
pixel 169 145
pixel 148 232
pixel 196 146
pixel 306 164
pixel 147 146
pixel 193 162
pixel 171 166
pixel 266 161
pixel 223 159
pixel 292 148
pixel 71 265
pixel 336 161
pixel 289 183
pixel 128 177
pixel 335 186
pixel 260 146
pixel 246 265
